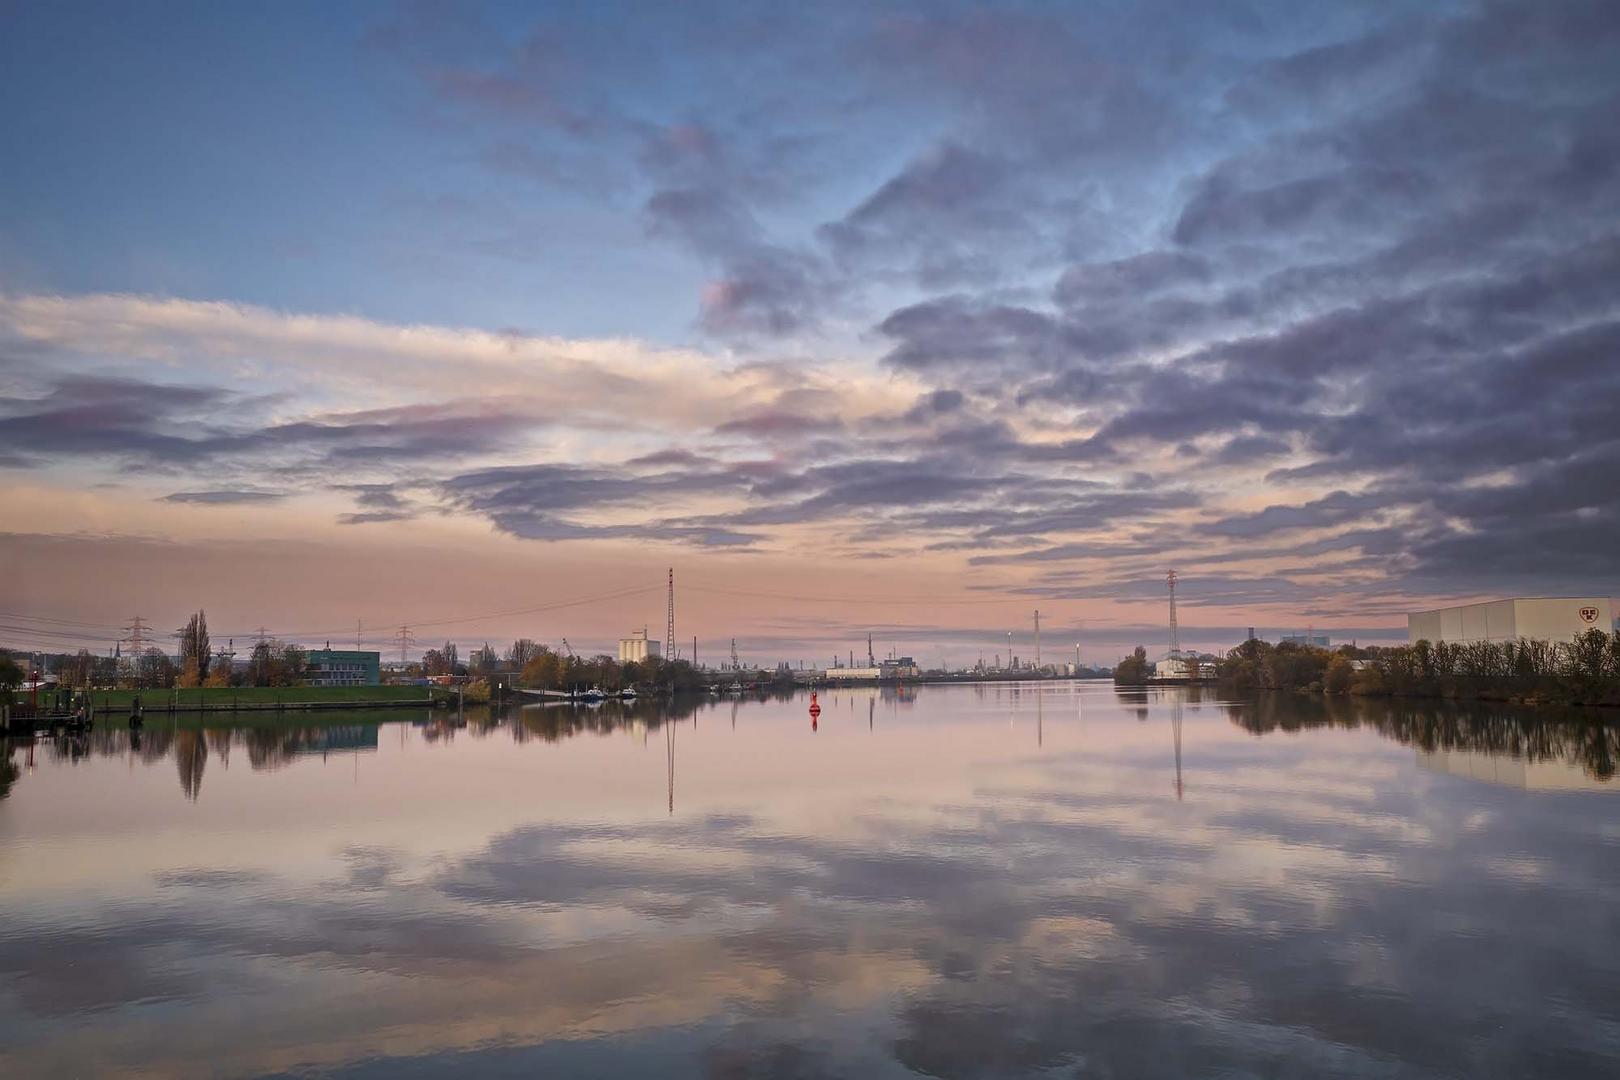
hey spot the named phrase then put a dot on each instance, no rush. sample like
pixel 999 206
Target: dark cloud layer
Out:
pixel 140 424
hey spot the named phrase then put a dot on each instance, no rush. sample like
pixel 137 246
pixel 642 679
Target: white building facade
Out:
pixel 1540 618
pixel 637 647
pixel 1184 666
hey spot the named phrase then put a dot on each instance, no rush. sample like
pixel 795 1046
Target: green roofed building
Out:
pixel 343 667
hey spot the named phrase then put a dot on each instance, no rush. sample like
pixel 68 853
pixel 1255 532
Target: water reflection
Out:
pixel 1582 739
pixel 1547 748
pixel 941 894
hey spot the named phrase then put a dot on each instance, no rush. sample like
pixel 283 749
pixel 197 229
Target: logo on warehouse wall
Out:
pixel 1589 615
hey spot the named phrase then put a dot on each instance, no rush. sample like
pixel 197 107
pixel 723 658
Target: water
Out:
pixel 956 882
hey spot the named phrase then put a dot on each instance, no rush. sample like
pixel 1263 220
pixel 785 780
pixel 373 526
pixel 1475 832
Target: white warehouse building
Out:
pixel 636 648
pixel 1541 618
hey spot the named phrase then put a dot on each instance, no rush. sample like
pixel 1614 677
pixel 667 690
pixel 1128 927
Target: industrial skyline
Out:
pixel 936 648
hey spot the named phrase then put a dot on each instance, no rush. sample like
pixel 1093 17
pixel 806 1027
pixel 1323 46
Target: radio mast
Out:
pixel 669 630
pixel 1175 636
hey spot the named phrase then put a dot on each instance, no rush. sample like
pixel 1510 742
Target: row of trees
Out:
pixel 1260 665
pixel 548 670
pixel 1586 669
pixel 276 663
pixel 446 660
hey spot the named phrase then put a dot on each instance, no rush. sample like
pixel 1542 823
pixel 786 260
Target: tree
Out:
pixel 1134 670
pixel 11 673
pixel 433 663
pixel 544 671
pixel 289 665
pixel 259 663
pixel 451 657
pixel 1245 666
pixel 1423 657
pixel 189 676
pixel 1589 654
pixel 219 671
pixel 194 645
pixel 1294 667
pixel 80 669
pixel 1340 675
pixel 154 669
pixel 483 660
pixel 522 651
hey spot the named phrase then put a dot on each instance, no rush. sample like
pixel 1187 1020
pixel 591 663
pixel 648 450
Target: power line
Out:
pixel 73 630
pixel 69 635
pixel 61 622
pixel 556 605
pixel 824 599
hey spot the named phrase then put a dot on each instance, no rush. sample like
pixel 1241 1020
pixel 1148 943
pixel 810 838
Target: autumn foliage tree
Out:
pixel 194 652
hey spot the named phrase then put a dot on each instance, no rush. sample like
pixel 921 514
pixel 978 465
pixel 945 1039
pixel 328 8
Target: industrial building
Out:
pixel 1186 665
pixel 1540 618
pixel 342 667
pixel 903 667
pixel 638 647
pixel 1315 641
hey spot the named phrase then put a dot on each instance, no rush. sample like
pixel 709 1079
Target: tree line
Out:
pixel 271 662
pixel 1585 670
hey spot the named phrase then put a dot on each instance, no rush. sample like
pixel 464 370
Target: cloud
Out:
pixel 1308 295
pixel 346 358
pixel 225 498
pixel 197 427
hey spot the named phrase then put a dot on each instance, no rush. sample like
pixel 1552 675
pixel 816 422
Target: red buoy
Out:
pixel 815 710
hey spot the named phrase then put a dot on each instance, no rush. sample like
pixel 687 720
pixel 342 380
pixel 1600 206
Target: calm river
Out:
pixel 1055 880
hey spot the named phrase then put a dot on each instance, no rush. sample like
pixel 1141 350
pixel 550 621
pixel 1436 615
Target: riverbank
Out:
pixel 1587 693
pixel 1503 690
pixel 205 699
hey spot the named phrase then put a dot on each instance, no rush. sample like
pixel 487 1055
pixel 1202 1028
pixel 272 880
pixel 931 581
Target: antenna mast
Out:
pixel 1037 639
pixel 669 631
pixel 1175 636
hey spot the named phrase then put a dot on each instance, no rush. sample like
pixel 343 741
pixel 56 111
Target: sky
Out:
pixel 906 319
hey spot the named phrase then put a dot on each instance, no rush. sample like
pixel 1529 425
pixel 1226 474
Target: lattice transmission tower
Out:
pixel 404 639
pixel 669 629
pixel 1175 634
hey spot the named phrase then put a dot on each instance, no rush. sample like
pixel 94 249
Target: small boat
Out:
pixel 593 694
pixel 627 694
